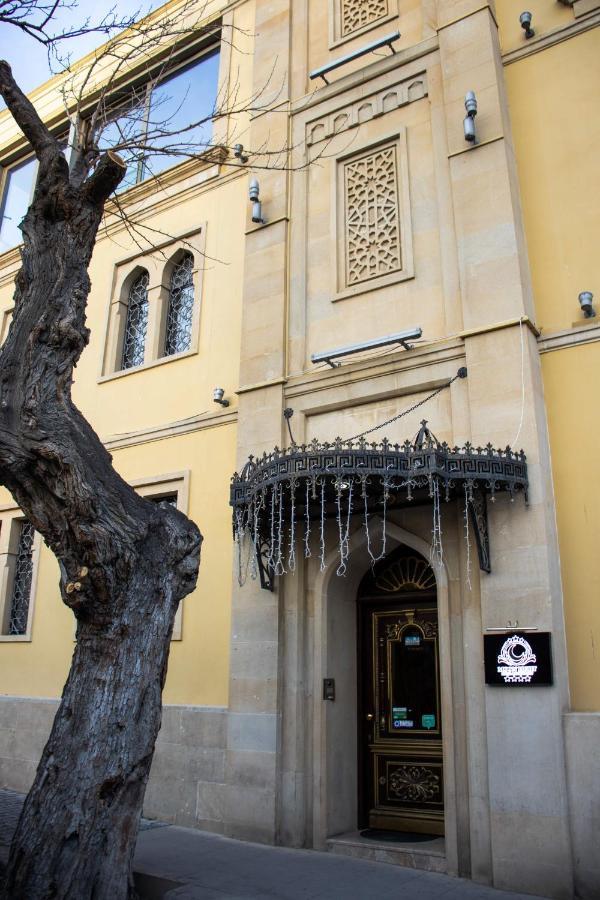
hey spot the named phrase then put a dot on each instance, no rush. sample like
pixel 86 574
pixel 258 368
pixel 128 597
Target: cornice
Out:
pixel 551 38
pixel 199 422
pixel 348 374
pixel 570 337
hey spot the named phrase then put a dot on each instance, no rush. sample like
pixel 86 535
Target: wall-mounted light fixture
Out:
pixel 238 152
pixel 585 302
pixel 218 395
pixel 403 337
pixel 387 41
pixel 469 123
pixel 525 20
pixel 255 201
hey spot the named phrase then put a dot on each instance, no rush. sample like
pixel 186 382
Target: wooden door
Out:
pixel 400 727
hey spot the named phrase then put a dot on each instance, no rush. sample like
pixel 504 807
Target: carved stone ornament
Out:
pixel 356 14
pixel 366 108
pixel 415 783
pixel 372 219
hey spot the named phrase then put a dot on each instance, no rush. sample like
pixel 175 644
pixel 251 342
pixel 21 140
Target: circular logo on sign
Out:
pixel 516 651
pixel 516 658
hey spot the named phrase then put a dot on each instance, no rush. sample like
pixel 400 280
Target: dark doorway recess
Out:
pixel 401 779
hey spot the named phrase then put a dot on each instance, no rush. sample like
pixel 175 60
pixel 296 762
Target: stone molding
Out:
pixel 570 337
pixel 351 115
pixel 172 429
pixel 394 62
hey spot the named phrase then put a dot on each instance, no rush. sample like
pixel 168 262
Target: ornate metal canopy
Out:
pixel 289 494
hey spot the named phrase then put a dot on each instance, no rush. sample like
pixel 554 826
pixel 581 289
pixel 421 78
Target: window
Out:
pixel 21 587
pixel 19 182
pixel 178 331
pixel 152 128
pixel 173 489
pixel 154 314
pixel 136 324
pixel 19 545
pixel 171 499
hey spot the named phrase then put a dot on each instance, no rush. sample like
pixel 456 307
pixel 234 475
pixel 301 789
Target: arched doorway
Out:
pixel 400 765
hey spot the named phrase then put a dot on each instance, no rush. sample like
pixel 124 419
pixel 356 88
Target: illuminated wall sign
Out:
pixel 514 659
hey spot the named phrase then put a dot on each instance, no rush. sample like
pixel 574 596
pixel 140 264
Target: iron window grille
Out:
pixel 134 340
pixel 178 332
pixel 21 589
pixel 171 499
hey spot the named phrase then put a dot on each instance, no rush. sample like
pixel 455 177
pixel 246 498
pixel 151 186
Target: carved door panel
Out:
pixel 401 728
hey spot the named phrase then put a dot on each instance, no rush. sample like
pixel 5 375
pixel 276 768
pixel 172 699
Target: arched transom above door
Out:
pixel 410 573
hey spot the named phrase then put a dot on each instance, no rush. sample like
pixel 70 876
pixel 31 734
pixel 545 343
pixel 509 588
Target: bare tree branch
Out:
pixel 25 115
pixel 36 19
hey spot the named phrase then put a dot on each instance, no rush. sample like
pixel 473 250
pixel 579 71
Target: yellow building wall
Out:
pixel 571 382
pixel 199 663
pixel 193 197
pixel 547 15
pixel 554 101
pixel 554 104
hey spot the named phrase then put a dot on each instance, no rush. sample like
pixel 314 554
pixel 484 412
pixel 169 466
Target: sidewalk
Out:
pixel 183 864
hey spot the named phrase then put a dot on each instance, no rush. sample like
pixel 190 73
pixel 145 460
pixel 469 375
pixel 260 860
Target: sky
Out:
pixel 29 60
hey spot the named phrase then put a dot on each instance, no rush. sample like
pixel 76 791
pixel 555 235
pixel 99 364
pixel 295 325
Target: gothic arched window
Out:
pixel 134 340
pixel 178 331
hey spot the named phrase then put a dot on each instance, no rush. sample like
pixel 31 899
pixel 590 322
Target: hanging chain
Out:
pixel 462 373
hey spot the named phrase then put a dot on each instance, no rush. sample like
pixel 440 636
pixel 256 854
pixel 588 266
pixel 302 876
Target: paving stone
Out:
pixel 184 864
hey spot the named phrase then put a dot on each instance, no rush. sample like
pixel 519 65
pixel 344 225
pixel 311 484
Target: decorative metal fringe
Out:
pixel 272 523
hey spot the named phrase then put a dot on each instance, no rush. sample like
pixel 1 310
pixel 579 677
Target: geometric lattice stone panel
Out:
pixel 21 592
pixel 372 231
pixel 358 13
pixel 134 339
pixel 178 333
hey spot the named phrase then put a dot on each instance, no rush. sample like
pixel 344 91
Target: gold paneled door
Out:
pixel 400 729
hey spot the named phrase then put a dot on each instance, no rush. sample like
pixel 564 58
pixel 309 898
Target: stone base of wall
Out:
pixel 188 772
pixel 582 739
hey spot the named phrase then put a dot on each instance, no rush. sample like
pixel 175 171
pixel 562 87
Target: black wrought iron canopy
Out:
pixel 281 501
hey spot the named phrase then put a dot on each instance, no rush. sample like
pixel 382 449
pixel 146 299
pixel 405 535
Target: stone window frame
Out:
pixel 159 262
pixel 7 315
pixel 336 38
pixel 11 518
pixel 156 486
pixel 340 290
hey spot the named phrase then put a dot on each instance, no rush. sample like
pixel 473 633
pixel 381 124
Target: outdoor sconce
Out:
pixel 238 152
pixel 469 123
pixel 585 302
pixel 218 395
pixel 525 20
pixel 255 201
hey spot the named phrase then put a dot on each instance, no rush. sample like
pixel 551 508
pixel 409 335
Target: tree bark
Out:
pixel 125 562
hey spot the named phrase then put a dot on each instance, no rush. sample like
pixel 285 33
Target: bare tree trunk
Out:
pixel 125 562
